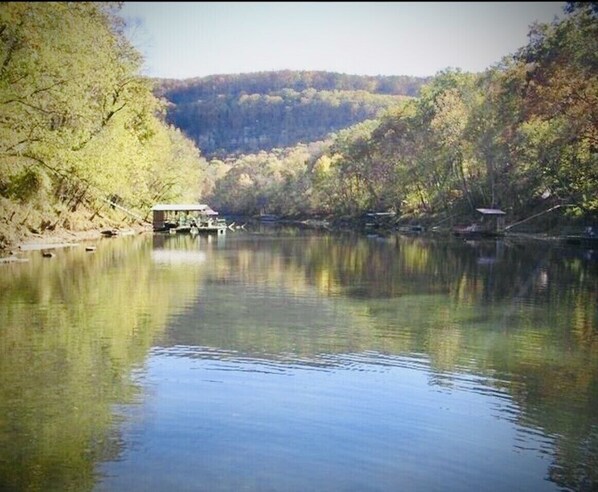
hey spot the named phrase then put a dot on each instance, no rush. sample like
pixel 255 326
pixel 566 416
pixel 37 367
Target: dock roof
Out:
pixel 490 211
pixel 184 207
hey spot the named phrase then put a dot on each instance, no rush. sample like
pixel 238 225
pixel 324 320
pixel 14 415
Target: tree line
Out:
pixel 79 126
pixel 241 113
pixel 234 124
pixel 193 89
pixel 522 136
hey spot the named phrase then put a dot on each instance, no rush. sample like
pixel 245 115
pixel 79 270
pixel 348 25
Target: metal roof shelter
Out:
pixel 188 207
pixel 490 211
pixel 493 213
pixel 162 211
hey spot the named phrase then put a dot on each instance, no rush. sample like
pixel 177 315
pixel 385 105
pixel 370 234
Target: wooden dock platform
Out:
pixel 216 228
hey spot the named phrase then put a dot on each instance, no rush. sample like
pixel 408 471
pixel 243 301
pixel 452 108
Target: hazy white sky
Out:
pixel 193 39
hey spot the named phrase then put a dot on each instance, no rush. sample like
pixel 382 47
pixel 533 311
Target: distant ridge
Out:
pixel 240 113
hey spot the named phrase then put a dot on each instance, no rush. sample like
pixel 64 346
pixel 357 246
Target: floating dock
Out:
pixel 194 218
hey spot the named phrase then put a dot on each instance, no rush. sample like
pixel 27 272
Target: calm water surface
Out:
pixel 286 360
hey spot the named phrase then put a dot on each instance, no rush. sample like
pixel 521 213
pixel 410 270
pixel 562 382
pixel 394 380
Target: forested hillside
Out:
pixel 78 125
pixel 232 114
pixel 522 136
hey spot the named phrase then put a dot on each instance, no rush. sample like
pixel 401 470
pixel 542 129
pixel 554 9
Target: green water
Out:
pixel 288 360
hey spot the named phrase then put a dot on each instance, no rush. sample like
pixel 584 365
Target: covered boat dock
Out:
pixel 191 217
pixel 492 223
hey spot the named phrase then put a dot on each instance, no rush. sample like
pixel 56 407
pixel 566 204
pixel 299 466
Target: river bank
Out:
pixel 62 238
pixel 46 227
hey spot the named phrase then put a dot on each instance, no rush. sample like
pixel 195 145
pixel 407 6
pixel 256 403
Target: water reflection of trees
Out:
pixel 542 302
pixel 73 328
pixel 522 314
pixel 540 296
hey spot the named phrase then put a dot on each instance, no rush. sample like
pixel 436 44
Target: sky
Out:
pixel 194 39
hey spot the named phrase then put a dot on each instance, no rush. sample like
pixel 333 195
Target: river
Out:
pixel 281 359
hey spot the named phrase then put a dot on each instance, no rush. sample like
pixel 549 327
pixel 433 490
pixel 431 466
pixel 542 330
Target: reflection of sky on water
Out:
pixel 222 421
pixel 177 257
pixel 298 363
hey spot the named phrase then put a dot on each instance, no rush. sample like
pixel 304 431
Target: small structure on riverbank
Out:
pixel 192 218
pixel 492 223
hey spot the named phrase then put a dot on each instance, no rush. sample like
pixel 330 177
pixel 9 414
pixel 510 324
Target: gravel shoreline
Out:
pixel 64 238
